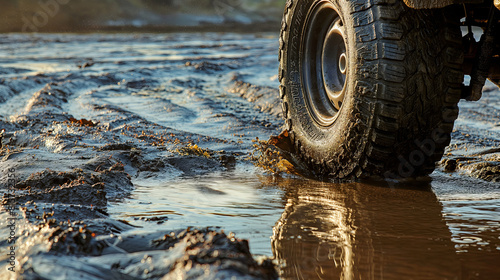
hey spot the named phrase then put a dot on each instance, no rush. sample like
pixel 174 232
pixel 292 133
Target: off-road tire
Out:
pixel 403 83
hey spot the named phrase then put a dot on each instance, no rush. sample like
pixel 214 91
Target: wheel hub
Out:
pixel 324 63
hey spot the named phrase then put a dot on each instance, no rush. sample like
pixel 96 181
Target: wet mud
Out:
pixel 135 156
pixel 475 147
pixel 82 125
pixel 184 254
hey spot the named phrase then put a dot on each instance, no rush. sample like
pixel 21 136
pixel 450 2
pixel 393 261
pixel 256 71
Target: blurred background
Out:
pixel 140 15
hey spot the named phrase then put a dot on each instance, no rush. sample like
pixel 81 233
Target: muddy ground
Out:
pixel 132 159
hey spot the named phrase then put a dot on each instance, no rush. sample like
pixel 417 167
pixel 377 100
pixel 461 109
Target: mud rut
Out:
pixel 87 117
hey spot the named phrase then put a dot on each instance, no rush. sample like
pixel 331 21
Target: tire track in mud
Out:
pixel 173 93
pixel 89 116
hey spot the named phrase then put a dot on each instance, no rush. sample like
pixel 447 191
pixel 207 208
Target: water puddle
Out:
pixel 241 204
pixel 319 230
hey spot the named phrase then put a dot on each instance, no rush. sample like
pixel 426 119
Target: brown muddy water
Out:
pixel 131 155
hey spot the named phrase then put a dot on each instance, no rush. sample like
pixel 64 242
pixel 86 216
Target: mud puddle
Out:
pixel 125 148
pixel 235 201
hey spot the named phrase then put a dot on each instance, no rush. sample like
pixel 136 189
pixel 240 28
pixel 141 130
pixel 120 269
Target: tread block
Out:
pixel 454 55
pixel 282 42
pixel 392 72
pixel 388 110
pixel 393 51
pixel 382 2
pixel 451 76
pixel 360 5
pixel 391 31
pixel 453 95
pixel 392 93
pixel 386 125
pixel 390 12
pixel 453 37
pixel 387 50
pixel 364 18
pixel 284 108
pixel 368 51
pixel 383 139
pixel 377 153
pixel 449 116
pixel 364 88
pixel 380 91
pixel 366 33
pixel 282 91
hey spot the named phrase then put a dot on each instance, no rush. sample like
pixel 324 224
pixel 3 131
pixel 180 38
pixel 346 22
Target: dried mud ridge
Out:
pixel 80 132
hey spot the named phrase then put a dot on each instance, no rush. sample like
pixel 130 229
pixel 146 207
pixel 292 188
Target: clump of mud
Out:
pixel 74 187
pixel 191 149
pixel 183 254
pixel 477 165
pixel 489 171
pixel 277 156
pixel 208 250
pixel 74 241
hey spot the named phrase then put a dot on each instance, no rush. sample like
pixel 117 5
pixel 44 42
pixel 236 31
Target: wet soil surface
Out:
pixel 133 158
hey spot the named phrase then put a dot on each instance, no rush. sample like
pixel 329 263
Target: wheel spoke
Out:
pixel 339 25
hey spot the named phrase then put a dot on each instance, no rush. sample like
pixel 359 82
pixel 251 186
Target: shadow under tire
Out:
pixel 369 88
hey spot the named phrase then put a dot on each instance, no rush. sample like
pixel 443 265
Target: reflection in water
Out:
pixel 336 231
pixel 361 231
